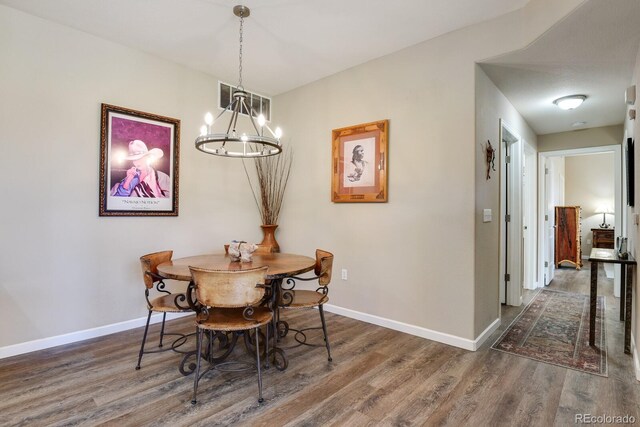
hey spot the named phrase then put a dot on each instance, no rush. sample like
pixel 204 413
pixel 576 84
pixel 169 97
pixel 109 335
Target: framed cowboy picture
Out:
pixel 139 155
pixel 359 163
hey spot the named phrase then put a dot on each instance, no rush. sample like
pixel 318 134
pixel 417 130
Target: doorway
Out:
pixel 552 184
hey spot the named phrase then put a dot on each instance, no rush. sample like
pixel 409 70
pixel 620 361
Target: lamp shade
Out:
pixel 603 209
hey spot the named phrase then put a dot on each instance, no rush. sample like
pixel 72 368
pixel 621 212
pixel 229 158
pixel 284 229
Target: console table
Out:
pixel 610 256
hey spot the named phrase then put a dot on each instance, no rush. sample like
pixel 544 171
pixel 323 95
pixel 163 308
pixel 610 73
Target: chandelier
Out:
pixel 234 142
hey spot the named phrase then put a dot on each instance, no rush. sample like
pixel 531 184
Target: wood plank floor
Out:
pixel 377 377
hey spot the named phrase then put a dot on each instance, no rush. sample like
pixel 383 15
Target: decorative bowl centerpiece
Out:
pixel 239 250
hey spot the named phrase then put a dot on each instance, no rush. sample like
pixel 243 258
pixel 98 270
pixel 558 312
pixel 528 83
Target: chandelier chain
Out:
pixel 240 56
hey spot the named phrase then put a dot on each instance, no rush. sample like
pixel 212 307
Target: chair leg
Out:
pixel 266 350
pixel 164 316
pixel 260 399
pixel 209 354
pixel 324 329
pixel 199 339
pixel 144 339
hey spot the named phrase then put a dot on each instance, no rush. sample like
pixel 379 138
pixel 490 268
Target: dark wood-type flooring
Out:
pixel 377 377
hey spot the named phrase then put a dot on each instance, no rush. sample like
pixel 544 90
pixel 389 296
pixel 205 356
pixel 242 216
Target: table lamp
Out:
pixel 604 210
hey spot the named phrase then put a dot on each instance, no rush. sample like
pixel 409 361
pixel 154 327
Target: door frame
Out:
pixel 510 200
pixel 618 199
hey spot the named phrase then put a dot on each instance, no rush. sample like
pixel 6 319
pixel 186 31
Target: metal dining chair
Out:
pixel 161 300
pixel 229 301
pixel 292 298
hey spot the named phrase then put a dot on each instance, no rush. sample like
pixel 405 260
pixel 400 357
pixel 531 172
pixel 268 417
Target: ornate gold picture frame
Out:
pixel 139 162
pixel 359 163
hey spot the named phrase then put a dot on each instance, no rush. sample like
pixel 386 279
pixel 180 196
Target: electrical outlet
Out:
pixel 344 274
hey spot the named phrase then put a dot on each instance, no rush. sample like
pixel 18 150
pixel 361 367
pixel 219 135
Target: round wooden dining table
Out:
pixel 280 265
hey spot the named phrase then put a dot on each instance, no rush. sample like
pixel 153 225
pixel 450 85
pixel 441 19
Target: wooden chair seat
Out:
pixel 231 319
pixel 167 304
pixel 306 299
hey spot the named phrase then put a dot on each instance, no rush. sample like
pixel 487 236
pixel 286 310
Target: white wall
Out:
pixel 592 137
pixel 632 130
pixel 411 260
pixel 589 183
pixel 64 268
pixel 491 106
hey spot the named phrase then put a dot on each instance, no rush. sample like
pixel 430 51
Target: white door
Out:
pixel 529 218
pixel 511 216
pixel 549 220
pixel 554 196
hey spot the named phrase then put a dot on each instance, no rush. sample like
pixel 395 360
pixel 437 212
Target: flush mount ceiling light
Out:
pixel 570 102
pixel 235 142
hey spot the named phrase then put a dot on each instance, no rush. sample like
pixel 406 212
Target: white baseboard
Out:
pixel 418 331
pixel 487 333
pixel 41 344
pixel 636 358
pixel 467 344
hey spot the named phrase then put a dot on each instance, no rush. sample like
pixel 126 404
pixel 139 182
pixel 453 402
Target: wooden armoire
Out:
pixel 567 236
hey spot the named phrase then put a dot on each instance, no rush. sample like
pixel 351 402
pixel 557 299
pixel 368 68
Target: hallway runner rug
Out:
pixel 554 328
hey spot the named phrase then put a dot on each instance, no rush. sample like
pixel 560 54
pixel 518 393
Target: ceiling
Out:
pixel 289 43
pixel 591 52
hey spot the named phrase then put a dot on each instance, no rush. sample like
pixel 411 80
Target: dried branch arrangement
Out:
pixel 272 175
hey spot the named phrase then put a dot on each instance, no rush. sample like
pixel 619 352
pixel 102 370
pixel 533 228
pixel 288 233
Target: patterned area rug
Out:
pixel 554 328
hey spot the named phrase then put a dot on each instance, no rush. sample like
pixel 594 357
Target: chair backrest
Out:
pixel 324 265
pixel 150 264
pixel 223 288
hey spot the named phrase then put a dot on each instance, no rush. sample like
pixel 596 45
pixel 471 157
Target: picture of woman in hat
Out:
pixel 142 180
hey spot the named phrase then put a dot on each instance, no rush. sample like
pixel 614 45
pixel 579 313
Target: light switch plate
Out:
pixel 486 215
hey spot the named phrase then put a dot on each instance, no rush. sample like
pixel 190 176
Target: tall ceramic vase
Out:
pixel 269 239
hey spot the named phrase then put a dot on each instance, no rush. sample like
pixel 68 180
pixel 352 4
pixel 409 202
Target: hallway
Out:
pixel 568 279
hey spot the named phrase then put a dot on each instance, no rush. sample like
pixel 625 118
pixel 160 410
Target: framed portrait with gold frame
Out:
pixel 359 163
